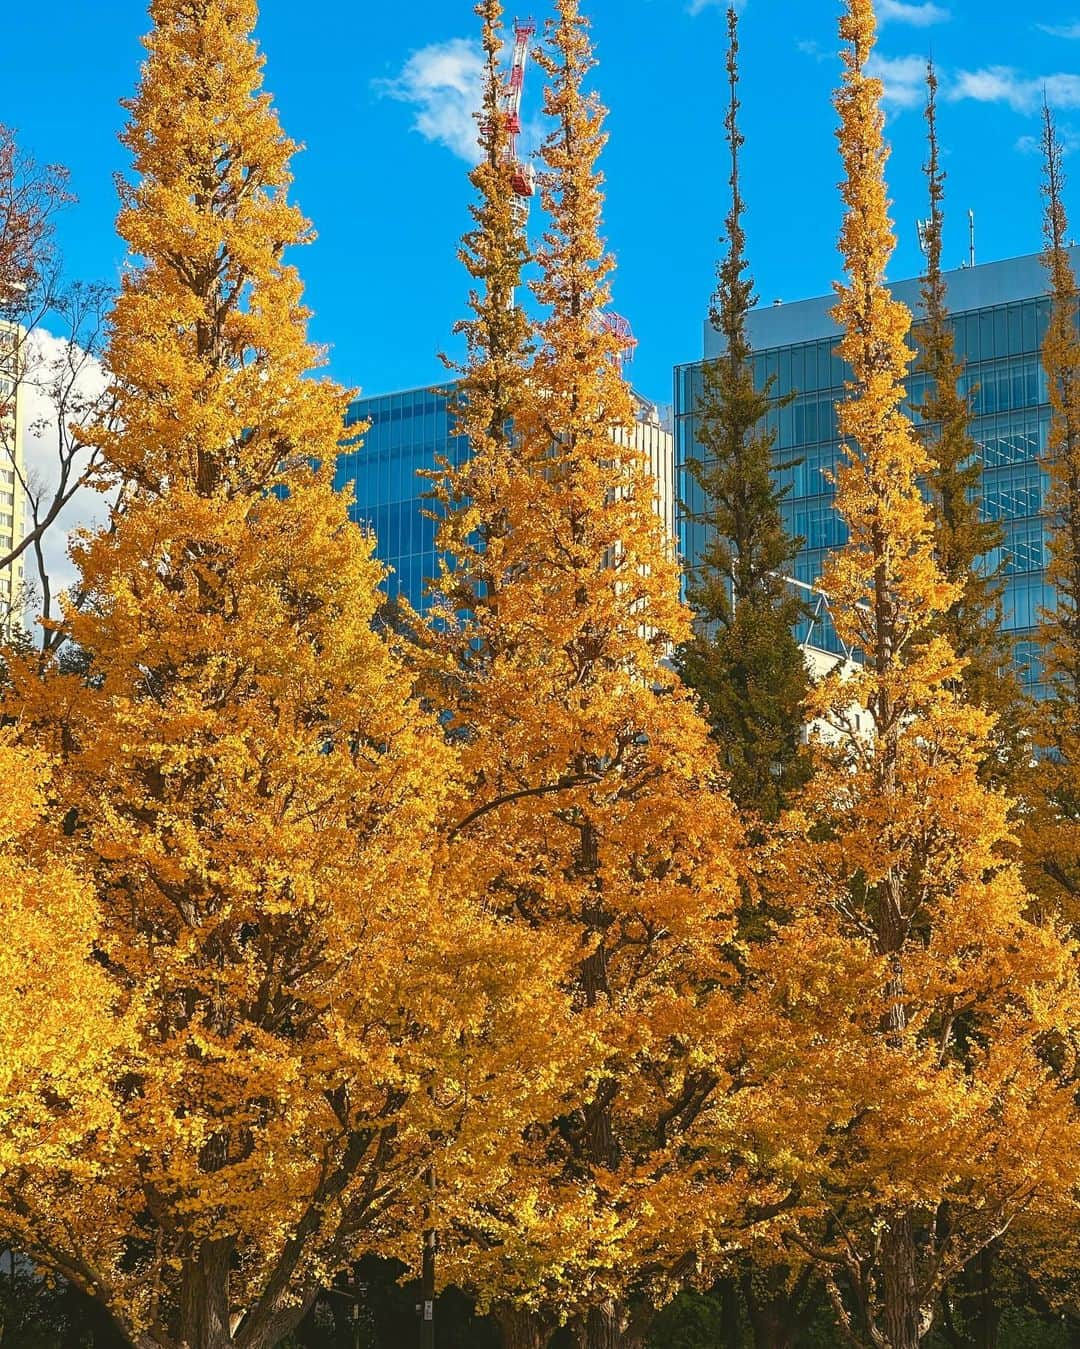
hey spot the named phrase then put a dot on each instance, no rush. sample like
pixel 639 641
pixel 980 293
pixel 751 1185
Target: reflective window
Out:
pixel 1000 349
pixel 1002 386
pixel 1011 493
pixel 407 433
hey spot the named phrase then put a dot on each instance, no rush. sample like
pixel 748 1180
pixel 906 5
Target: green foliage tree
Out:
pixel 963 539
pixel 743 658
pixel 692 1321
pixel 1052 832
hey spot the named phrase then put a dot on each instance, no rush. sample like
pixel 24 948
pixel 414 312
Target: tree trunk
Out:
pixel 980 1313
pixel 779 1318
pixel 427 1286
pixel 614 1325
pixel 205 1316
pixel 771 1322
pixel 521 1328
pixel 901 1318
pixel 727 1290
pixel 602 1327
pixel 987 1317
pixel 205 1321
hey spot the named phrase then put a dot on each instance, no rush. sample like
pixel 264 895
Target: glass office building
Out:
pixel 407 433
pixel 999 315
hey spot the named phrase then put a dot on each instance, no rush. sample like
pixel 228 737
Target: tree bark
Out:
pixel 727 1290
pixel 205 1320
pixel 601 1327
pixel 780 1311
pixel 614 1325
pixel 205 1317
pixel 771 1322
pixel 901 1318
pixel 980 1313
pixel 521 1328
pixel 988 1313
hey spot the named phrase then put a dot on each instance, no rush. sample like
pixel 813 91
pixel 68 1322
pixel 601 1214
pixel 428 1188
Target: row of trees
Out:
pixel 493 933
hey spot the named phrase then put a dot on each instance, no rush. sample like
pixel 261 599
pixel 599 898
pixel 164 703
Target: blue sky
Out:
pixel 379 94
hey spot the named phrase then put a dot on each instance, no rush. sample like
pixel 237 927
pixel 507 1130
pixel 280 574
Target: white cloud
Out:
pixel 444 83
pixel 991 84
pixel 1068 136
pixel 51 363
pixel 1066 30
pixel 809 47
pixel 699 6
pixel 1003 84
pixel 918 15
pixel 903 79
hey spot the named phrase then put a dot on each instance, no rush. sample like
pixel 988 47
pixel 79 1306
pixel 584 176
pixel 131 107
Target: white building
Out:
pixel 12 469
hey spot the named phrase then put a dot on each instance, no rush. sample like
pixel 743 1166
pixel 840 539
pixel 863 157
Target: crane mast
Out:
pixel 524 175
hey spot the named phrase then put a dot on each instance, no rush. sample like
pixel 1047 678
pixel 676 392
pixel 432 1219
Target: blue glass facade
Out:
pixel 408 431
pixel 999 316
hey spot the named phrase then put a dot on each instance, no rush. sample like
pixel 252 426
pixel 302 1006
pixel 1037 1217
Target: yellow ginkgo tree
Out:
pixel 62 1027
pixel 308 1022
pixel 919 994
pixel 591 811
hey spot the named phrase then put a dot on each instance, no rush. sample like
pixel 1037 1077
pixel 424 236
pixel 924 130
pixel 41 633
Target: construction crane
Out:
pixel 524 175
pixel 523 178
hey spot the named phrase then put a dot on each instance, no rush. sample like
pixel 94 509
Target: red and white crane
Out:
pixel 524 175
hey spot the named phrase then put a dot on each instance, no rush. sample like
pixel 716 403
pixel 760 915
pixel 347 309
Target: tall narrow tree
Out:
pixel 963 539
pixel 963 543
pixel 744 659
pixel 247 781
pixel 469 635
pixel 591 814
pixel 494 253
pixel 915 983
pixel 1053 834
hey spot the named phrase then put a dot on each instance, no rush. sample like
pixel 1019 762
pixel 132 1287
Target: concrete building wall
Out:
pixel 657 444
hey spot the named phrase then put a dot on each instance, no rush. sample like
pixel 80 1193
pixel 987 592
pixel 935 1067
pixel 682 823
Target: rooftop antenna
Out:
pixel 922 227
pixel 971 238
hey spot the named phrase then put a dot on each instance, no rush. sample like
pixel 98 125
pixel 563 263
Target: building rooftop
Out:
pixel 989 283
pixel 646 409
